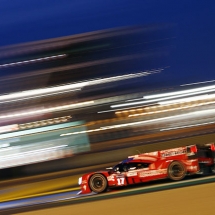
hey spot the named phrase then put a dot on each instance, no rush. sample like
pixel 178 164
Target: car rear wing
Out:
pixel 211 145
pixel 184 152
pixel 206 150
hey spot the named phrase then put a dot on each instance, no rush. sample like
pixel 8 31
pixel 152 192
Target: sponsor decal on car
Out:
pixel 192 167
pixel 120 176
pixel 153 173
pixel 172 152
pixel 204 161
pixel 111 178
pixel 84 182
pixel 131 173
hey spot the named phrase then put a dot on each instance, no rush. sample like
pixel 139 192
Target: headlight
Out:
pixel 80 180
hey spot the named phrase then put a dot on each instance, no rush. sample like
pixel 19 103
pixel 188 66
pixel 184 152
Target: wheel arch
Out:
pixel 180 161
pixel 177 162
pixel 99 173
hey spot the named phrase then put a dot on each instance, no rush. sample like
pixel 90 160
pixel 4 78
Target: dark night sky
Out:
pixel 192 60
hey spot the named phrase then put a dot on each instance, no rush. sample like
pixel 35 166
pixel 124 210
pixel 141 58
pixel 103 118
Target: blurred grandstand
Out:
pixel 57 94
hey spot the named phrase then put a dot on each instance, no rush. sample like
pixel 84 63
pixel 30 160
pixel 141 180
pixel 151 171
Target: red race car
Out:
pixel 173 163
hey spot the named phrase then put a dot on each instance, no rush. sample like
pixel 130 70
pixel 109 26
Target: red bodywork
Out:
pixel 149 166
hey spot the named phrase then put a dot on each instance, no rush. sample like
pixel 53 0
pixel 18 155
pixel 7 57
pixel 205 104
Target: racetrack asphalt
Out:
pixel 190 194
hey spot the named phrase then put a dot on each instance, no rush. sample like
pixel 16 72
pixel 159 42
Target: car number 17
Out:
pixel 120 181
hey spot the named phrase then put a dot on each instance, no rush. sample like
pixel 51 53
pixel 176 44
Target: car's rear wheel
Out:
pixel 176 171
pixel 98 183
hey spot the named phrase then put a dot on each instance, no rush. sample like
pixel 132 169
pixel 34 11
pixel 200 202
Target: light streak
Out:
pixel 197 113
pixel 106 111
pixel 16 135
pixel 73 86
pixel 158 99
pixel 44 122
pixel 32 60
pixel 203 82
pixel 9 128
pixel 187 92
pixel 189 99
pixel 46 110
pixel 187 126
pixel 23 154
pixel 171 109
pixel 39 96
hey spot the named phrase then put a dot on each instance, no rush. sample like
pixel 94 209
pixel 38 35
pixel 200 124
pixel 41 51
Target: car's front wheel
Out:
pixel 98 183
pixel 176 171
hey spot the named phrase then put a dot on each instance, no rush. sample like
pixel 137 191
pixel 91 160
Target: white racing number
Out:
pixel 120 181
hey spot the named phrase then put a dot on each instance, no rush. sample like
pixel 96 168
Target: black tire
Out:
pixel 176 171
pixel 98 183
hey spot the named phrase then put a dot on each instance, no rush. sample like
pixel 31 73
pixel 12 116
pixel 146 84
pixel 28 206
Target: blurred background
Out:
pixel 84 84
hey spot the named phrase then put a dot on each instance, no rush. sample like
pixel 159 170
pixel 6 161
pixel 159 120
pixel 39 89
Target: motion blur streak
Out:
pixel 32 131
pixel 33 60
pixel 44 122
pixel 38 96
pixel 161 119
pixel 198 90
pixel 75 86
pixel 165 98
pixel 9 128
pixel 33 153
pixel 81 132
pixel 202 82
pixel 170 109
pixel 197 113
pixel 188 126
pixel 46 110
pixel 189 99
pixel 16 127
